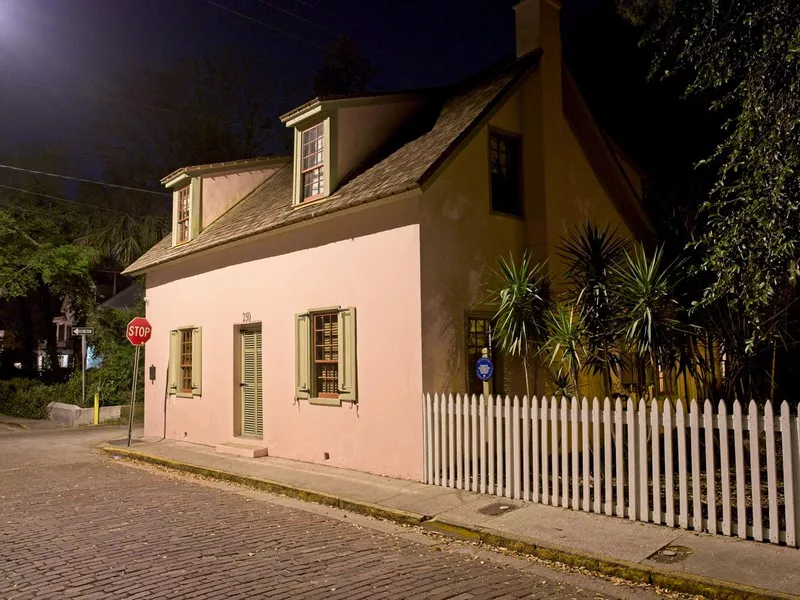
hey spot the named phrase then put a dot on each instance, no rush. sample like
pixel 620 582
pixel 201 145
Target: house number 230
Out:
pixel 246 318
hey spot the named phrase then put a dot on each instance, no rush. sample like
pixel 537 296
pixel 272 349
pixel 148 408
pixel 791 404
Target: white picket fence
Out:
pixel 734 474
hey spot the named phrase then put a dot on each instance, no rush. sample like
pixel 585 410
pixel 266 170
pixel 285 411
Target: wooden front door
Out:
pixel 252 410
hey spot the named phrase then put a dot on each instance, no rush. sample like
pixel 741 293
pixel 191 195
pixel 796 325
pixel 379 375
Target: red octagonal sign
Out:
pixel 138 331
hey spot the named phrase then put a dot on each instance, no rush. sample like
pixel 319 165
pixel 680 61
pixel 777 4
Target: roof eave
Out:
pixel 223 168
pixel 410 191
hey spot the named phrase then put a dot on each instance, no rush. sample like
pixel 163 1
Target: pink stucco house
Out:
pixel 303 304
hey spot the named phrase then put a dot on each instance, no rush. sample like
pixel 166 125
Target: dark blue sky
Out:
pixel 88 46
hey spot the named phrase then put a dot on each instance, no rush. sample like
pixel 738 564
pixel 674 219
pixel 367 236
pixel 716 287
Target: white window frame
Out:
pixel 329 159
pixel 195 193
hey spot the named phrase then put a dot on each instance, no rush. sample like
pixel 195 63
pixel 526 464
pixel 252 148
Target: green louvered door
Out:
pixel 252 411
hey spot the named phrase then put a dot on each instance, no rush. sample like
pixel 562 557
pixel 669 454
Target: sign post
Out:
pixel 484 369
pixel 138 332
pixel 83 332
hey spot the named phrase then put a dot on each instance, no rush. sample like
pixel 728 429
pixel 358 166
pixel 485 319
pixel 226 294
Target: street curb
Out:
pixel 715 589
pixel 356 506
pixel 687 583
pixel 15 424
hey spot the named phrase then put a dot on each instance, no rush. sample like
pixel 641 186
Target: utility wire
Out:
pixel 104 98
pixel 59 199
pixel 121 101
pixel 294 36
pixel 338 32
pixel 302 18
pixel 268 25
pixel 114 185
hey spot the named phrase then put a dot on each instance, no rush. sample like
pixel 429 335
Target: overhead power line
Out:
pixel 267 25
pixel 105 183
pixel 294 36
pixel 67 200
pixel 333 30
pixel 113 100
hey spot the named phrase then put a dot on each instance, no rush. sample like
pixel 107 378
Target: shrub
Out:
pixel 24 398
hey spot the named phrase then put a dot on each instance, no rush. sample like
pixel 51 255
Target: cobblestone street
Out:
pixel 75 524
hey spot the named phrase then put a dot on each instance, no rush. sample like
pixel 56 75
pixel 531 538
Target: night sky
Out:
pixel 86 46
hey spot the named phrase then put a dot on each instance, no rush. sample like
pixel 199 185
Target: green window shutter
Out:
pixel 347 355
pixel 197 361
pixel 173 361
pixel 302 360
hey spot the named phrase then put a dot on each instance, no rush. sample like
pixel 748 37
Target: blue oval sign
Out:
pixel 484 369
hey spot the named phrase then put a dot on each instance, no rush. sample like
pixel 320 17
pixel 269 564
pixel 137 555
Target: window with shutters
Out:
pixel 326 355
pixel 506 175
pixel 325 344
pixel 185 361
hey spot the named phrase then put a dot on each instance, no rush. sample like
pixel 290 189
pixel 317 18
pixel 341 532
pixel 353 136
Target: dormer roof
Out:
pixel 222 168
pixel 405 164
pixel 326 103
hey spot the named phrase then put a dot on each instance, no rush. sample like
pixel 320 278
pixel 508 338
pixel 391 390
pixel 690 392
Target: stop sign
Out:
pixel 138 331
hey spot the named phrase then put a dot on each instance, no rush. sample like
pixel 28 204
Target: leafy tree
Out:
pixel 744 57
pixel 203 111
pixel 40 262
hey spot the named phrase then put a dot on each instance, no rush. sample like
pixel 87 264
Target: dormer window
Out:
pixel 186 210
pixel 313 168
pixel 183 215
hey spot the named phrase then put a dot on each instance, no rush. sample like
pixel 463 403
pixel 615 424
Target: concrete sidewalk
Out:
pixel 712 566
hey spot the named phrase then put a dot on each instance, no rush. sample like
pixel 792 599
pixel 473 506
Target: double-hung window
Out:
pixel 312 170
pixel 183 215
pixel 325 357
pixel 185 361
pixel 504 166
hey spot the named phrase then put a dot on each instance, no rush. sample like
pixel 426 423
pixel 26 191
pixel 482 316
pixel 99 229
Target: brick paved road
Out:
pixel 74 524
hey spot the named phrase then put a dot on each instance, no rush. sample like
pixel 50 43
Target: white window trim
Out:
pixel 195 205
pixel 329 158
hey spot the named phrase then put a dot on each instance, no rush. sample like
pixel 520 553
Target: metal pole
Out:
pixel 83 370
pixel 487 385
pixel 133 394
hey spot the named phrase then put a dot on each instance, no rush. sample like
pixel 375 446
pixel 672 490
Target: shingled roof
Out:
pixel 404 164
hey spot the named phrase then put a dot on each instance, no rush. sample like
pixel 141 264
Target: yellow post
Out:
pixel 97 409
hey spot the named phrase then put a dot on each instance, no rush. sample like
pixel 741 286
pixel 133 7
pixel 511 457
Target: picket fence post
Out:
pixel 571 453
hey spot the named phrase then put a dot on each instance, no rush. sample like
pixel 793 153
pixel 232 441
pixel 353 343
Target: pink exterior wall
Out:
pixel 362 129
pixel 368 259
pixel 221 192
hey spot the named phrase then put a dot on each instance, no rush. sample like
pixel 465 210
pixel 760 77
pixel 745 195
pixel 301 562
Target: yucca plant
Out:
pixel 589 254
pixel 650 315
pixel 566 343
pixel 522 298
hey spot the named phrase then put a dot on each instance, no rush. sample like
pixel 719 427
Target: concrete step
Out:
pixel 246 448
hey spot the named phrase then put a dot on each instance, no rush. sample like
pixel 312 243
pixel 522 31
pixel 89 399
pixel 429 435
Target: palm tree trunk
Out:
pixel 525 363
pixel 606 371
pixel 772 375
